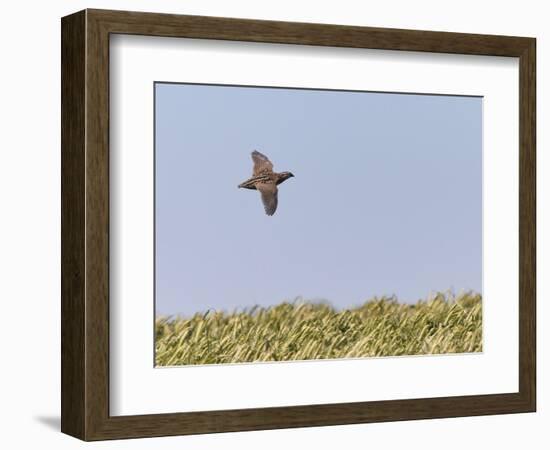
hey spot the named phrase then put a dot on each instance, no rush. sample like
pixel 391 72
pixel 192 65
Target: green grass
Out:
pixel 301 331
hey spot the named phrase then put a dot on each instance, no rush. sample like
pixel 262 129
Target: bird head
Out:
pixel 284 176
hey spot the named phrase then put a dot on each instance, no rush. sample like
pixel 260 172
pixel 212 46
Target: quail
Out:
pixel 266 181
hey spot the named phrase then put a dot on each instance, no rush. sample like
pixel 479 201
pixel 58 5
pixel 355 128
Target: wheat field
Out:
pixel 302 330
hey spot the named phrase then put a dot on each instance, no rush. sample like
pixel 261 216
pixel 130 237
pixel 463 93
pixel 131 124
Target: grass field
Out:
pixel 302 330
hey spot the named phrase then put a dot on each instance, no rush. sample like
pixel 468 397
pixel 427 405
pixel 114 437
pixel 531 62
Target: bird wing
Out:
pixel 261 163
pixel 269 196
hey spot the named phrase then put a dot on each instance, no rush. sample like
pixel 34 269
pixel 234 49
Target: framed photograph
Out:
pixel 273 225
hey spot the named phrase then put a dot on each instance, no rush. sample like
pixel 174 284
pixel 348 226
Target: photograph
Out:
pixel 277 221
pixel 297 224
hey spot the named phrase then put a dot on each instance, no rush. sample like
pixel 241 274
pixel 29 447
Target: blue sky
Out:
pixel 386 198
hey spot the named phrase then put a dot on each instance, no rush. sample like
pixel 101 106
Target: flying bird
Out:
pixel 266 181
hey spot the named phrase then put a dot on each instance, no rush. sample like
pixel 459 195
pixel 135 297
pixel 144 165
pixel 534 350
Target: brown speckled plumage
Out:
pixel 266 181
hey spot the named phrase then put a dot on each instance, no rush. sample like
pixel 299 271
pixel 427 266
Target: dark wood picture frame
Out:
pixel 85 224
